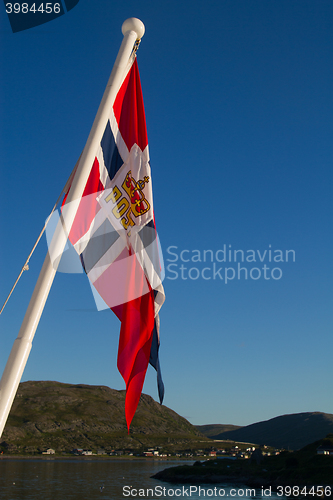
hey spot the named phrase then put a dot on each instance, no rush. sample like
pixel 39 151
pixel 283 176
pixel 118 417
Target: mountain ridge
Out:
pixel 290 431
pixel 48 414
pixel 210 430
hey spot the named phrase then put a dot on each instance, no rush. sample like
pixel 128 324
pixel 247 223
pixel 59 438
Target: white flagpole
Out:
pixel 133 29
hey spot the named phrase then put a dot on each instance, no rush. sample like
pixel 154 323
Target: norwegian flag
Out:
pixel 114 233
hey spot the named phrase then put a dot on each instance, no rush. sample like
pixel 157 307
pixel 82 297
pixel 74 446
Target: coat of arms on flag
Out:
pixel 115 236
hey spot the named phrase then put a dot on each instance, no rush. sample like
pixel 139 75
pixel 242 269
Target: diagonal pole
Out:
pixel 133 30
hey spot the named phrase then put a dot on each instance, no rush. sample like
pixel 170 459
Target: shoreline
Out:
pixel 246 480
pixel 91 457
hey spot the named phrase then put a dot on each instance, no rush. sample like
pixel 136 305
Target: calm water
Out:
pixel 54 479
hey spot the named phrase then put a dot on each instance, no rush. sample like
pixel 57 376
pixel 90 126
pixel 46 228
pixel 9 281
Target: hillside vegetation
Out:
pixel 64 416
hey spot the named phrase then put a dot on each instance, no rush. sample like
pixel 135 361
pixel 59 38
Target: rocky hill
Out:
pixel 287 431
pixel 64 416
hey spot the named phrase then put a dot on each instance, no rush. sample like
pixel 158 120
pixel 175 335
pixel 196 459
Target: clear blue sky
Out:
pixel 239 108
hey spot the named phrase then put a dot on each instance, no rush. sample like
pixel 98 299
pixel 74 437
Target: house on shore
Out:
pixel 49 451
pixel 325 450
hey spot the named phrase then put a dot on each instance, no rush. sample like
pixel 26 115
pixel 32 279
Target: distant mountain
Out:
pixel 287 431
pixel 64 416
pixel 211 430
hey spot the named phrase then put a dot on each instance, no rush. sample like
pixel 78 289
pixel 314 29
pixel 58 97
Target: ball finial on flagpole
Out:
pixel 133 24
